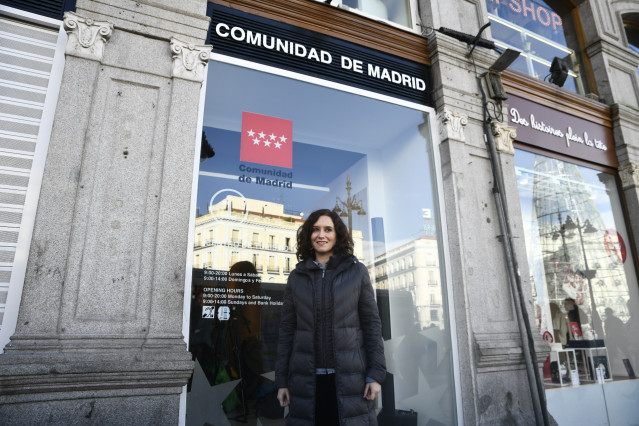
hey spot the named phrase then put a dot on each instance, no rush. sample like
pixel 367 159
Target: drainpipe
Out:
pixel 535 381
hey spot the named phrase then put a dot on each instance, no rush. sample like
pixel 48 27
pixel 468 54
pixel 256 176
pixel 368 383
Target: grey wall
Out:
pixel 99 334
pixel 493 384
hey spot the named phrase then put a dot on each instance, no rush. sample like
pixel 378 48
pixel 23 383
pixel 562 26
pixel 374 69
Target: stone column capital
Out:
pixel 629 175
pixel 87 37
pixel 189 60
pixel 451 124
pixel 504 136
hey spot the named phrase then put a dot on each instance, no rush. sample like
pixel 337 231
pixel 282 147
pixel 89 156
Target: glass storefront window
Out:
pixel 283 147
pixel 541 33
pixel 395 11
pixel 631 26
pixel 581 269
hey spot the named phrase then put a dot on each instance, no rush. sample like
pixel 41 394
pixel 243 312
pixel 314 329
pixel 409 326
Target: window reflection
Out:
pixel 541 33
pixel 583 278
pixel 367 162
pixel 631 26
pixel 397 11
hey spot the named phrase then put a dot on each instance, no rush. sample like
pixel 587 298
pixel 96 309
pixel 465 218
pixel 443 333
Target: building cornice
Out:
pixel 292 222
pixel 626 116
pixel 186 20
pixel 620 53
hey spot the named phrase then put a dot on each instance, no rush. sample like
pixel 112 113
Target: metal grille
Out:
pixel 26 59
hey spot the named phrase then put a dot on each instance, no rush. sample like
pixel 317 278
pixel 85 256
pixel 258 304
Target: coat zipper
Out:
pixel 322 318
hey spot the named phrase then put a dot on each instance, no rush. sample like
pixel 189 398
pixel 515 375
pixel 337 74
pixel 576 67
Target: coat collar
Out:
pixel 337 263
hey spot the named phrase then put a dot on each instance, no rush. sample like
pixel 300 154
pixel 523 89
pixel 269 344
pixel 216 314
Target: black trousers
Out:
pixel 326 413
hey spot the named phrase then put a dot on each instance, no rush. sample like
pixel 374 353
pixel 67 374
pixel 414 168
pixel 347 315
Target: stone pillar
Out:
pixel 494 384
pixel 613 65
pixel 629 175
pixel 625 127
pixel 99 334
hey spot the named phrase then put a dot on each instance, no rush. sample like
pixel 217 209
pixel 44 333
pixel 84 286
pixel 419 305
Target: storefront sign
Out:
pixel 268 177
pixel 246 36
pixel 563 133
pixel 266 140
pixel 527 12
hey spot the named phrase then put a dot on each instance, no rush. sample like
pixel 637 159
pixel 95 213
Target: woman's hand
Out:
pixel 371 390
pixel 283 397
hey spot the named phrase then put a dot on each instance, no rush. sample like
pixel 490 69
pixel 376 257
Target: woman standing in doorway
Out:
pixel 330 355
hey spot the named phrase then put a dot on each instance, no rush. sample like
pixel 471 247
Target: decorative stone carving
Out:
pixel 451 125
pixel 629 175
pixel 504 135
pixel 189 60
pixel 87 37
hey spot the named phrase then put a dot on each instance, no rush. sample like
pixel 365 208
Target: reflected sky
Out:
pixel 320 115
pixel 592 182
pixel 336 135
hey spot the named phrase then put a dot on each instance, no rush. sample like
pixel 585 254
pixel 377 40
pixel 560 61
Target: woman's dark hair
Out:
pixel 343 245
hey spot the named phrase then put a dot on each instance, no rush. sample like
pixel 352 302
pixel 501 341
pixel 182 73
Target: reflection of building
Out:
pixel 578 261
pixel 414 267
pixel 236 229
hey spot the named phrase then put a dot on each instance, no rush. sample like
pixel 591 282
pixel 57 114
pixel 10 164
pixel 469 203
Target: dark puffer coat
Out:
pixel 358 350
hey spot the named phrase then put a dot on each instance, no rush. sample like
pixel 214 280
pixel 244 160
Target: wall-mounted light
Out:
pixel 559 71
pixel 493 76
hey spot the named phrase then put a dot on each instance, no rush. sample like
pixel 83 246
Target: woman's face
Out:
pixel 323 238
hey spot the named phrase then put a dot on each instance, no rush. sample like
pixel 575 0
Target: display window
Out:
pixel 582 270
pixel 276 146
pixel 544 32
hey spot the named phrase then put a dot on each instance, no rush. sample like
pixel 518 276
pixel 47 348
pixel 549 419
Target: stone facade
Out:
pixel 99 334
pixel 493 381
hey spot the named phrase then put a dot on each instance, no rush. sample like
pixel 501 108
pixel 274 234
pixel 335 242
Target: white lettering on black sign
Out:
pixel 570 135
pixel 289 47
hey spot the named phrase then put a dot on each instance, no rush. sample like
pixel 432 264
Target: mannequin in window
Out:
pixel 559 324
